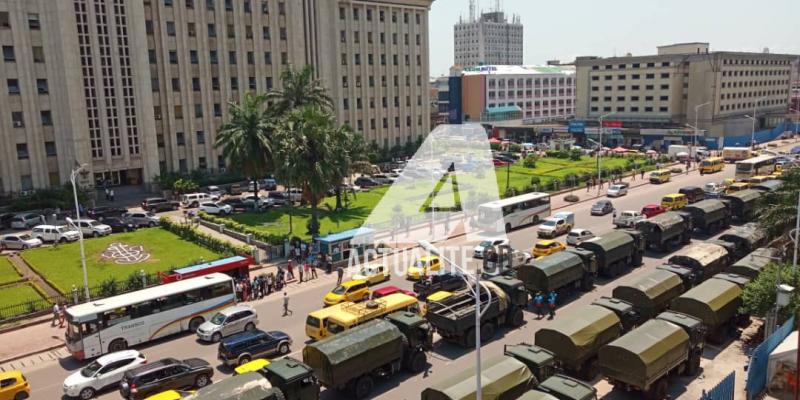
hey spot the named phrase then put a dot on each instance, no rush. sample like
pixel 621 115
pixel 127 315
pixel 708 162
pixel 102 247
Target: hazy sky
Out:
pixel 565 29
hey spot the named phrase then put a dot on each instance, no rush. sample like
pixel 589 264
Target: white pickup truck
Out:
pixel 559 224
pixel 628 219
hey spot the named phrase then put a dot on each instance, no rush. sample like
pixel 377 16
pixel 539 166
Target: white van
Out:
pixel 52 233
pixel 192 200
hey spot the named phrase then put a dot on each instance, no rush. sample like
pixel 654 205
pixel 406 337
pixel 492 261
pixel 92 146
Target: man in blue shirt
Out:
pixel 538 302
pixel 551 302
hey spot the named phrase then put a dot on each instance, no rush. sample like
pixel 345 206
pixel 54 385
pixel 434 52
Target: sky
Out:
pixel 563 30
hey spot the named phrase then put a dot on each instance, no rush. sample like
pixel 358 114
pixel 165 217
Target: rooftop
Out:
pixel 520 70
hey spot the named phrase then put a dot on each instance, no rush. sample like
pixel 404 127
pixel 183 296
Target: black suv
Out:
pixel 159 204
pixel 101 213
pixel 165 374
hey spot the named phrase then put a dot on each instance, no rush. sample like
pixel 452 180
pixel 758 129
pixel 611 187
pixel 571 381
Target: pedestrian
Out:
pixel 641 174
pixel 313 269
pixel 300 269
pixel 111 194
pixel 588 184
pixel 108 197
pixel 290 270
pixel 256 288
pixel 269 283
pixel 286 310
pixel 551 302
pixel 339 273
pixel 62 315
pixel 56 313
pixel 538 302
pixel 614 213
pixel 239 290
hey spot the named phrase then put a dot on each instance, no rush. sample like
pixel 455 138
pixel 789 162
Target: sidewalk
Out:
pixel 30 340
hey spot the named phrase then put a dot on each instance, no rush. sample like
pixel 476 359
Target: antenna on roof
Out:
pixel 471 10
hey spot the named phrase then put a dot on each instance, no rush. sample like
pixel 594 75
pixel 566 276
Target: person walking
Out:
pixel 239 290
pixel 538 302
pixel 313 270
pixel 286 310
pixel 56 313
pixel 108 197
pixel 62 315
pixel 290 270
pixel 339 274
pixel 588 185
pixel 300 269
pixel 551 302
pixel 111 194
pixel 641 174
pixel 269 283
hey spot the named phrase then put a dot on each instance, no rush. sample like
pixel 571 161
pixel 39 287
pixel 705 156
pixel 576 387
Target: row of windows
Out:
pixel 754 94
pixel 633 87
pixel 633 109
pixel 529 82
pixel 18 118
pixel 384 102
pixel 201 164
pixel 632 98
pixel 34 23
pixel 762 103
pixel 211 29
pixel 49 150
pixel 14 86
pixel 531 104
pixel 372 123
pixel 754 62
pixel 634 65
pixel 755 83
pixel 213 57
pixel 371 59
pixel 381 15
pixel 215 84
pixel 771 72
pixel 381 36
pixel 211 5
pixel 531 93
pixel 9 55
pixel 622 77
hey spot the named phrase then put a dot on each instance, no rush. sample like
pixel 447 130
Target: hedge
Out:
pixel 193 235
pixel 259 235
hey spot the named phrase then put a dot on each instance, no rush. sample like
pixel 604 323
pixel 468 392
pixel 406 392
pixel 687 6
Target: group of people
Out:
pixel 306 271
pixel 260 286
pixel 542 301
pixel 59 309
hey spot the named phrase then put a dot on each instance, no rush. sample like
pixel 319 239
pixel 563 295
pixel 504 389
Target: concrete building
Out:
pixel 488 40
pixel 440 100
pixel 665 90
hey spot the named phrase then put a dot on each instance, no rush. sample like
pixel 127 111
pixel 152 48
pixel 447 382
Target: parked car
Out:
pixel 236 203
pixel 488 243
pixel 230 320
pixel 365 181
pixel 141 218
pixel 215 192
pixel 389 289
pixel 257 202
pixel 278 198
pixel 119 225
pixel 5 220
pixel 242 347
pixel 159 204
pixel 101 213
pixel 578 235
pixel 295 194
pixel 383 179
pixel 102 373
pixel 53 233
pixel 422 267
pixel 165 374
pixel 269 184
pixel 90 227
pixel 25 221
pixel 713 190
pixel 19 241
pixel 617 190
pixel 235 189
pixel 546 247
pixel 693 193
pixel 192 200
pixel 373 274
pixel 354 290
pixel 217 208
pixel 651 210
pixel 499 163
pixel 14 385
pixel 628 219
pixel 602 207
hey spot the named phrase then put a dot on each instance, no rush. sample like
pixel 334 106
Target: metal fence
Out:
pixel 723 390
pixel 757 368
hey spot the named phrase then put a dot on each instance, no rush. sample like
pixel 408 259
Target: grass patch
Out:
pixel 61 265
pixel 18 295
pixel 549 168
pixel 7 271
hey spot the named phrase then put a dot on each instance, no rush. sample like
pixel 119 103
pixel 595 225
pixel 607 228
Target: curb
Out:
pixel 24 325
pixel 28 354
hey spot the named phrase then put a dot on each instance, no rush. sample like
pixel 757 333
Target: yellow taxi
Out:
pixel 373 274
pixel 434 297
pixel 353 290
pixel 14 386
pixel 737 186
pixel 758 179
pixel 546 247
pixel 252 366
pixel 170 395
pixel 674 201
pixel 660 176
pixel 422 267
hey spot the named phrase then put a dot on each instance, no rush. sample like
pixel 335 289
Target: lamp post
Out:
pixel 753 133
pixel 72 175
pixel 600 149
pixel 478 313
pixel 696 109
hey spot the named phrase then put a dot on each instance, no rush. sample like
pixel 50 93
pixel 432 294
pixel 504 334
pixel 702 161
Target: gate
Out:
pixel 757 369
pixel 723 390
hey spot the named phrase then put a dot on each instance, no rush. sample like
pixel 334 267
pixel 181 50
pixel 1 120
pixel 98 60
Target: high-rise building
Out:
pixel 488 40
pixel 134 88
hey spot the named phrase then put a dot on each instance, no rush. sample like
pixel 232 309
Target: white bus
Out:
pixel 513 212
pixel 761 165
pixel 115 323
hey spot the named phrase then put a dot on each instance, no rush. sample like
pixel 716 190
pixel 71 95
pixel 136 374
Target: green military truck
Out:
pixel 616 251
pixel 666 231
pixel 752 264
pixel 249 386
pixel 686 275
pixel 560 387
pixel 454 317
pixel 703 259
pixel 563 272
pixel 652 293
pixel 709 215
pixel 294 379
pixel 540 362
pixel 742 204
pixel 716 302
pixel 351 359
pixel 643 359
pixel 745 238
pixel 575 338
pixel 740 280
pixel 502 378
pixel 624 310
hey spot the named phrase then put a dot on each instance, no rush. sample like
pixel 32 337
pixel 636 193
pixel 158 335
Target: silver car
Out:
pixel 231 320
pixel 17 241
pixel 141 218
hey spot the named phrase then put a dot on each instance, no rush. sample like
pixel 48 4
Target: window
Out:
pixel 247 8
pixel 231 31
pixel 342 15
pixel 167 3
pixel 148 27
pixel 284 58
pixel 190 4
pixel 665 75
pixel 664 87
pixel 283 33
pixel 151 55
pixel 47 118
pixel 214 83
pixel 42 87
pixel 8 54
pixel 178 112
pixel 180 139
pixel 173 57
pixel 267 58
pixel 251 83
pixel 182 168
pixel 228 5
pixel 217 110
pixel 648 109
pixel 269 82
pixel 33 21
pixel 176 84
pixel 212 30
pixel 265 33
pixel 193 57
pixel 234 83
pixel 196 84
pixel 281 8
pixel 22 151
pixel 5 22
pixel 38 54
pixel 662 109
pixel 232 57
pixel 212 57
pixel 649 76
pixel 170 28
pixel 50 149
pixel 251 58
pixel 13 86
pixel 664 98
pixel 201 137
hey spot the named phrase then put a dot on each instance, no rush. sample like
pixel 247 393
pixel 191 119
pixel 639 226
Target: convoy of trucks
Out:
pixel 709 215
pixel 565 271
pixel 742 204
pixel 652 293
pixel 668 230
pixel 745 239
pixel 715 302
pixel 703 260
pixel 616 251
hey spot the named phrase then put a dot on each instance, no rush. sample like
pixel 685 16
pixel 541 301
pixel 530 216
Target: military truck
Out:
pixel 563 387
pixel 624 310
pixel 652 293
pixel 740 280
pixel 716 302
pixel 709 215
pixel 667 230
pixel 643 359
pixel 752 264
pixel 502 378
pixel 730 247
pixel 742 204
pixel 563 272
pixel 616 251
pixel 351 359
pixel 454 317
pixel 686 274
pixel 539 361
pixel 294 379
pixel 503 260
pixel 575 339
pixel 246 386
pixel 704 259
pixel 746 239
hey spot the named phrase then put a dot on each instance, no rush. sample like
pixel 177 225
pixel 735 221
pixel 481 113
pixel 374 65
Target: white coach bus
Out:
pixel 115 323
pixel 513 212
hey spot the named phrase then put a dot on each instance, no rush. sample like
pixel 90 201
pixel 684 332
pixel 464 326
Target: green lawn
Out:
pixel 549 168
pixel 7 272
pixel 15 295
pixel 61 265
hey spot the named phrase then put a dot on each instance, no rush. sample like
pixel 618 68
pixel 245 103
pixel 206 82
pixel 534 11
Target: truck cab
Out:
pixel 414 327
pixel 293 378
pixel 624 310
pixel 541 362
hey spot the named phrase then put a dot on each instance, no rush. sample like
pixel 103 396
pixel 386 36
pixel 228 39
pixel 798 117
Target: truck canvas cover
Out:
pixel 651 293
pixel 644 354
pixel 744 237
pixel 769 186
pixel 661 222
pixel 249 386
pixel 577 336
pixel 567 388
pixel 742 201
pixel 713 302
pixel 338 358
pixel 551 272
pixel 706 211
pixel 705 259
pixel 731 277
pixel 752 264
pixel 502 378
pixel 607 247
pixel 537 395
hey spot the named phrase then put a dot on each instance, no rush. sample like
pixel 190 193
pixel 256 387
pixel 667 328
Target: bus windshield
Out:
pixel 744 167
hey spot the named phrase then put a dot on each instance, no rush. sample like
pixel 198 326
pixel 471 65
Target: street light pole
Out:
pixel 72 176
pixel 600 149
pixel 696 109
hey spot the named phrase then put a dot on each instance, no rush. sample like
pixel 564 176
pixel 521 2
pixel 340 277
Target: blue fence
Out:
pixel 723 390
pixel 760 136
pixel 757 369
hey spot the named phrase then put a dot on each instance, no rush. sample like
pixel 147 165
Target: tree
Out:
pixel 759 295
pixel 299 89
pixel 778 209
pixel 246 140
pixel 182 186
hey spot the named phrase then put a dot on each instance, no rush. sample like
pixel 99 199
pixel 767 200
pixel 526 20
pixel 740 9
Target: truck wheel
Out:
pixel 587 283
pixel 692 365
pixel 363 387
pixel 487 332
pixel 418 362
pixel 518 318
pixel 589 369
pixel 658 391
pixel 469 338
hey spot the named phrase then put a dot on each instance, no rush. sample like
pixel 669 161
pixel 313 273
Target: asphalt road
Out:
pixel 46 378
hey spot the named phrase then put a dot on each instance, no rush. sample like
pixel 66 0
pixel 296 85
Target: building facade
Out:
pixel 684 83
pixel 488 40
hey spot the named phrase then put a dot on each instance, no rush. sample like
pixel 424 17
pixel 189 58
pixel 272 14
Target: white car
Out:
pixel 577 236
pixel 617 190
pixel 215 192
pixel 25 221
pixel 90 227
pixel 53 233
pixel 101 373
pixel 17 241
pixel 485 244
pixel 216 208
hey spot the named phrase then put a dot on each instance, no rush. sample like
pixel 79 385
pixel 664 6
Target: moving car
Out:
pixel 159 204
pixel 236 203
pixel 14 386
pixel 422 267
pixel 628 219
pixel 577 236
pixel 651 210
pixel 140 219
pixel 373 274
pixel 660 176
pixel 25 221
pixel 352 290
pixel 192 200
pixel 242 348
pixel 602 207
pixel 546 247
pixel 102 373
pixel 165 374
pixel 617 190
pixel 488 243
pixel 217 208
pixel 52 233
pixel 119 225
pixel 556 225
pixel 230 320
pixel 19 241
pixel 90 227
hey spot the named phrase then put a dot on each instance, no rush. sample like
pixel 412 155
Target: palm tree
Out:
pixel 246 140
pixel 777 209
pixel 299 89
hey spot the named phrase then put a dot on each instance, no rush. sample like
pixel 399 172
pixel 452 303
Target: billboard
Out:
pixel 577 127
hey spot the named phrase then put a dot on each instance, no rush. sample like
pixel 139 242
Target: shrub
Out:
pixel 495 146
pixel 535 180
pixel 571 179
pixel 515 148
pixel 191 234
pixel 575 155
pixel 571 198
pixel 244 229
pixel 530 161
